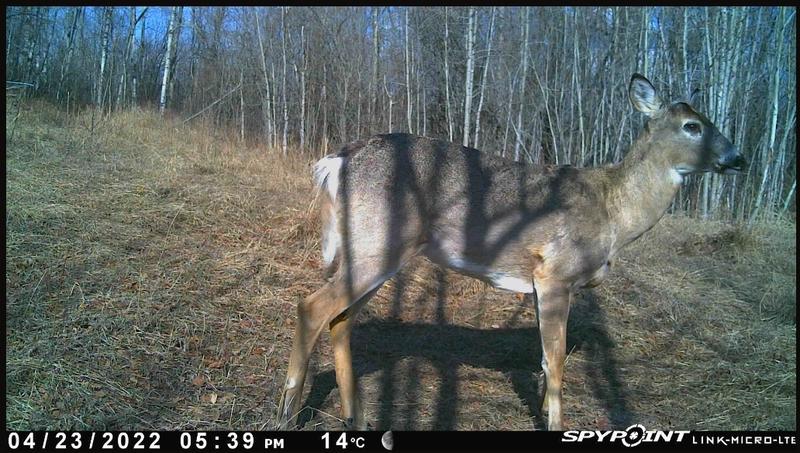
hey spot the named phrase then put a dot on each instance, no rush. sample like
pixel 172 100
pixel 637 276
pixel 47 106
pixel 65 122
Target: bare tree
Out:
pixel 447 78
pixel 126 59
pixel 469 74
pixel 168 58
pixel 390 96
pixel 269 119
pixel 303 90
pixel 524 67
pixel 139 65
pixel 65 64
pixel 284 141
pixel 105 38
pixel 373 104
pixel 483 78
pixel 408 75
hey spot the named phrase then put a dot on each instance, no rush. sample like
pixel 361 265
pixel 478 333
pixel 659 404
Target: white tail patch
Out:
pixel 326 174
pixel 330 241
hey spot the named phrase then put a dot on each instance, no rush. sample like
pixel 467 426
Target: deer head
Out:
pixel 690 141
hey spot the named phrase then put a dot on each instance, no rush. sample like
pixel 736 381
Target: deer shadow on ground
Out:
pixel 513 351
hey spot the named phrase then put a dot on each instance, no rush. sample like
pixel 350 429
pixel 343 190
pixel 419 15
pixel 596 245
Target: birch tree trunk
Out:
pixel 373 104
pixel 274 98
pixel 646 46
pixel 175 41
pixel 483 79
pixel 324 109
pixel 578 91
pixel 469 74
pixel 303 90
pixel 123 81
pixel 687 78
pixel 173 20
pixel 789 197
pixel 408 76
pixel 415 69
pixel 104 40
pixel 509 110
pixel 269 118
pixel 424 112
pixel 284 142
pixel 391 102
pixel 447 79
pixel 524 67
pixel 241 104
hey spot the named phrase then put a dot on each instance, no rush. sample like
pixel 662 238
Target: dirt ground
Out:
pixel 153 269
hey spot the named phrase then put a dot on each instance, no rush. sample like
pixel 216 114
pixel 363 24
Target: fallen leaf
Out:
pixel 209 398
pixel 198 381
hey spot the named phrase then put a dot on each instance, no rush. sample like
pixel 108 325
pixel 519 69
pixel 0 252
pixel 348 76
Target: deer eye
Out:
pixel 692 128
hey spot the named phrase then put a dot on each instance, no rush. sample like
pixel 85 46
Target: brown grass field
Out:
pixel 152 273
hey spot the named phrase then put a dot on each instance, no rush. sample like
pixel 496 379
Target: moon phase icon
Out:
pixel 387 440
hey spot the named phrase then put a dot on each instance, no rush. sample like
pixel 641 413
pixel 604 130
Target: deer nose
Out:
pixel 732 161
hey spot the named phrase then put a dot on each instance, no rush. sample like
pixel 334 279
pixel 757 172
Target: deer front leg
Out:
pixel 552 310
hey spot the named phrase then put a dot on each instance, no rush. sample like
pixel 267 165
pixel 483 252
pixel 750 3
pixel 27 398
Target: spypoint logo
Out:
pixel 634 435
pixel 631 437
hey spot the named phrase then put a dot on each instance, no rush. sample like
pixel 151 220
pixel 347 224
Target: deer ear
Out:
pixel 644 96
pixel 695 96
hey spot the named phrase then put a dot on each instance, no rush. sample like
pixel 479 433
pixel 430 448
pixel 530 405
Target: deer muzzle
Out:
pixel 731 162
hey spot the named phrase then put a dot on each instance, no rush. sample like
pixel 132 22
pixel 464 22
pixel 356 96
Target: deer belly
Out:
pixel 499 279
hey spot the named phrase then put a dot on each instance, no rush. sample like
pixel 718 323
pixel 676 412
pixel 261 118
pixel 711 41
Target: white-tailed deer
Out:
pixel 544 230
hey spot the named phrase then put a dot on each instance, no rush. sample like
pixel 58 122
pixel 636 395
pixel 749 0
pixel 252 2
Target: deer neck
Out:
pixel 642 190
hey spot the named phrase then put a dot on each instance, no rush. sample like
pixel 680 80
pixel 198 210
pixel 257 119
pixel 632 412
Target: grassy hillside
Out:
pixel 153 270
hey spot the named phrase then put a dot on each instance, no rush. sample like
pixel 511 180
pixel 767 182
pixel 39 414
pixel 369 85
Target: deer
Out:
pixel 546 230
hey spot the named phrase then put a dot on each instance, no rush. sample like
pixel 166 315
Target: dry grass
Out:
pixel 153 270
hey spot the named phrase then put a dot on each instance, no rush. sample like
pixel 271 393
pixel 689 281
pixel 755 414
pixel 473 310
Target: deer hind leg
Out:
pixel 341 327
pixel 366 283
pixel 552 310
pixel 313 313
pixel 336 306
